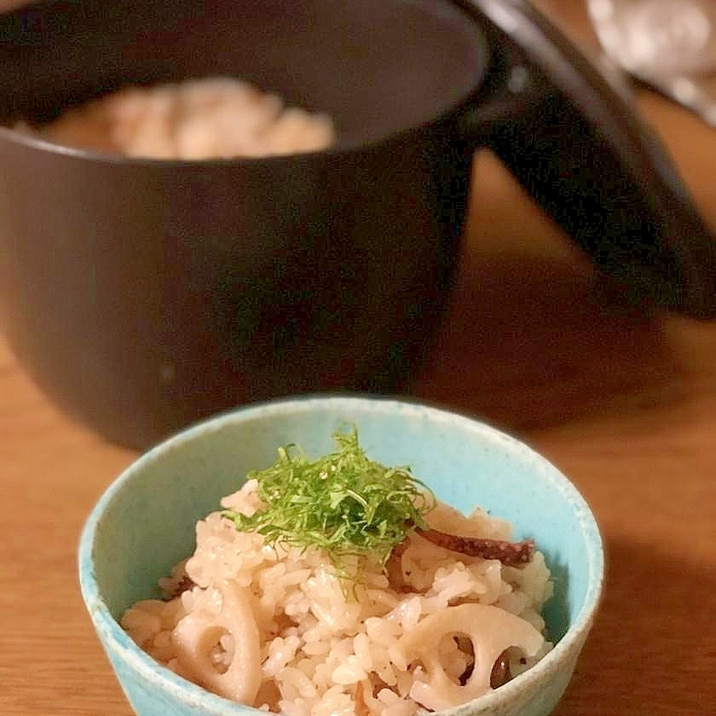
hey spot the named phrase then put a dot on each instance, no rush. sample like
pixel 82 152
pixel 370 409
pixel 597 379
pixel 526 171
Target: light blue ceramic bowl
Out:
pixel 144 524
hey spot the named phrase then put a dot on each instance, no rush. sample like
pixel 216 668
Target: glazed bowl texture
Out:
pixel 144 524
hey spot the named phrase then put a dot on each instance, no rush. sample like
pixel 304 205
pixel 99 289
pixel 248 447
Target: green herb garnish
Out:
pixel 343 503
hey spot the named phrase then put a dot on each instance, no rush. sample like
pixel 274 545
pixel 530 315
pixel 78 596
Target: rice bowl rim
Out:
pixel 120 645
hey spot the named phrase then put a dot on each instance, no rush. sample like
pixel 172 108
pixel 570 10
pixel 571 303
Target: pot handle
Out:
pixel 577 147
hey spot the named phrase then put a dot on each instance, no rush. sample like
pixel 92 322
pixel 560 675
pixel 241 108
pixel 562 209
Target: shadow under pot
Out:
pixel 142 295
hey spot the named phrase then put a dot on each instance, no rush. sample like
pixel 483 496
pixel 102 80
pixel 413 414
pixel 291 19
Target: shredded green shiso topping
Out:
pixel 343 503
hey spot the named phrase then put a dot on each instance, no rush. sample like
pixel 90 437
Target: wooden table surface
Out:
pixel 622 400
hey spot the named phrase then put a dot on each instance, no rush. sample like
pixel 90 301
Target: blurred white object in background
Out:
pixel 669 45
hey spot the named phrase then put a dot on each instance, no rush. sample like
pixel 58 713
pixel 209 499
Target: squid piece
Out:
pixel 197 633
pixel 511 554
pixel 491 630
pixel 183 585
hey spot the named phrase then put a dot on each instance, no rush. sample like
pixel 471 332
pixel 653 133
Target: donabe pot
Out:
pixel 142 295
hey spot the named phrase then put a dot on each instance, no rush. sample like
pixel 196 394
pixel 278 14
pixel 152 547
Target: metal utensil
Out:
pixel 668 45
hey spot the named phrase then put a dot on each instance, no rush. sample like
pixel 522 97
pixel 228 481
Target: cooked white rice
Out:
pixel 214 117
pixel 280 629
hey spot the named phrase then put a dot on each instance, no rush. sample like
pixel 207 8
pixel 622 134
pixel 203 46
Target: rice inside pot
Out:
pixel 214 117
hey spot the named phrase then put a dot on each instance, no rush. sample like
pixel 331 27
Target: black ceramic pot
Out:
pixel 142 295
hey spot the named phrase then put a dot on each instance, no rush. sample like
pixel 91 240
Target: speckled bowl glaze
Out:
pixel 144 524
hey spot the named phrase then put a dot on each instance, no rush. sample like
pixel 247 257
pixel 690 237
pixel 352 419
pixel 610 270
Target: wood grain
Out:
pixel 623 400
